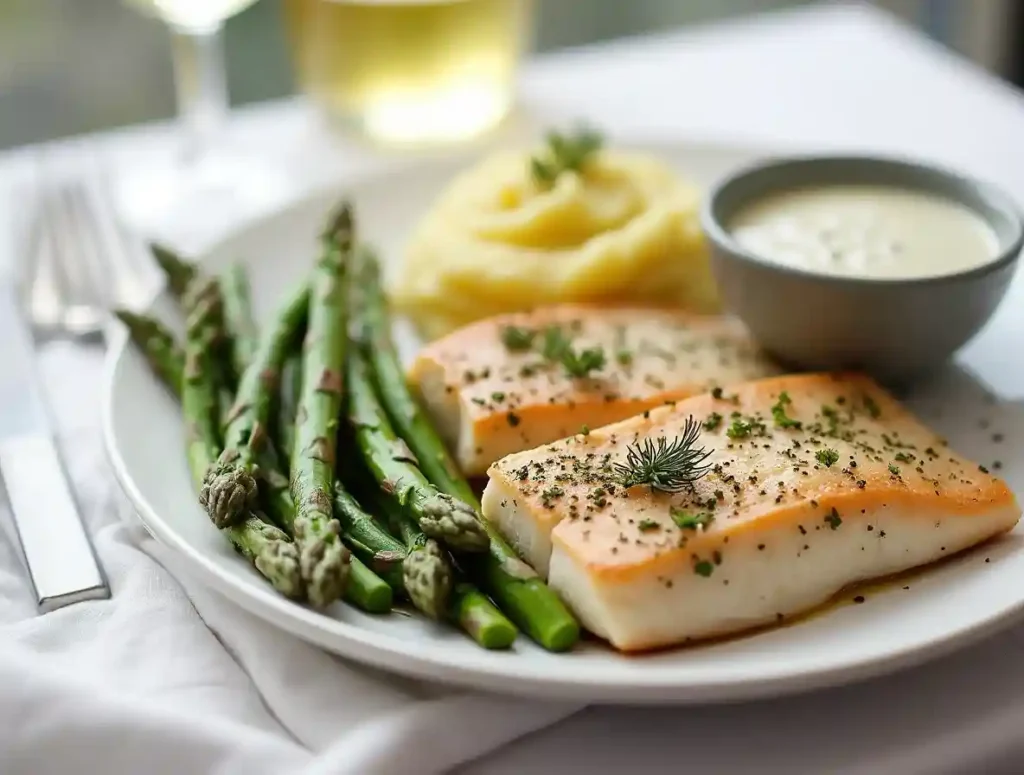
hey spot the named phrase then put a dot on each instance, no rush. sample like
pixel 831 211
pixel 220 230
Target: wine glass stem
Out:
pixel 201 87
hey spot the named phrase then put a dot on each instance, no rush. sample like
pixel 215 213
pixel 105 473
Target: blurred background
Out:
pixel 72 66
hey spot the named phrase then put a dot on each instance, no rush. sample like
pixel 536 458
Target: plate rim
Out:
pixel 380 650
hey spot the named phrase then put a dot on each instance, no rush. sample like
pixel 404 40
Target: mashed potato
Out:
pixel 626 229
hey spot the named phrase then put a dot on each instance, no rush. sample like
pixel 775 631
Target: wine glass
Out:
pixel 203 180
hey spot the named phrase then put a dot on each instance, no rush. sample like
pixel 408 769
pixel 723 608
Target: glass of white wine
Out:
pixel 202 179
pixel 410 71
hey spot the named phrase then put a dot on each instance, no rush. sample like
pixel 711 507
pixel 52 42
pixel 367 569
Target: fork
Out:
pixel 79 263
pixel 82 262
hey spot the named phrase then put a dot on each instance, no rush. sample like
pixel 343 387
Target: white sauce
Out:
pixel 865 231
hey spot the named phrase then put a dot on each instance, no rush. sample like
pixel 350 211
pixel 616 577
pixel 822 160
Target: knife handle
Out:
pixel 61 564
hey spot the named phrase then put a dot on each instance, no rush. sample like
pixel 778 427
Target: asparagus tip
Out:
pixel 278 561
pixel 427 577
pixel 227 494
pixel 324 564
pixel 454 522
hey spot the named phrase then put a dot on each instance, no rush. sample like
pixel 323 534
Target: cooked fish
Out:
pixel 814 482
pixel 491 390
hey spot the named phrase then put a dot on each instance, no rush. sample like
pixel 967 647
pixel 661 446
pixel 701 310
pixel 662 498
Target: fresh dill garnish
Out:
pixel 517 338
pixel 827 457
pixel 713 421
pixel 691 521
pixel 646 525
pixel 783 420
pixel 563 153
pixel 664 465
pixel 894 469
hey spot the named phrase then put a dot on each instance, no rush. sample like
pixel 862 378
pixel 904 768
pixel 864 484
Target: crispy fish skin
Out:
pixel 489 400
pixel 790 515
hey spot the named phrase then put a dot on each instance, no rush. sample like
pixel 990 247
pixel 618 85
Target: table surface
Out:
pixel 836 76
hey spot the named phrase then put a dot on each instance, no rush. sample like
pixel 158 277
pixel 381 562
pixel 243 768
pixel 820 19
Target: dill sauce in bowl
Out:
pixel 879 265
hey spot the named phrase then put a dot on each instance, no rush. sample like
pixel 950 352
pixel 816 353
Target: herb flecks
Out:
pixel 564 153
pixel 833 520
pixel 687 520
pixel 780 416
pixel 648 525
pixel 713 421
pixel 517 338
pixel 664 465
pixel 827 457
pixel 556 347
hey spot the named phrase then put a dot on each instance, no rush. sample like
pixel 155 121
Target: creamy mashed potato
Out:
pixel 625 229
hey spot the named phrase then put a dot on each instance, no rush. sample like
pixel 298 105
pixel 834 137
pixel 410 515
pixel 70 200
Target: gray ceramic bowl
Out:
pixel 894 329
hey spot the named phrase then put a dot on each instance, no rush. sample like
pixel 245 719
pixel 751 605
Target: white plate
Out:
pixel 900 624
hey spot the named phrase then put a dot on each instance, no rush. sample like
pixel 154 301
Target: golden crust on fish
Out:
pixel 816 482
pixel 490 399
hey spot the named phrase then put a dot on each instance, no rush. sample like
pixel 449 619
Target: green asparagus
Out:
pixel 396 470
pixel 238 317
pixel 178 272
pixel 157 344
pixel 324 556
pixel 230 488
pixel 267 547
pixel 368 540
pixel 531 604
pixel 467 606
pixel 287 405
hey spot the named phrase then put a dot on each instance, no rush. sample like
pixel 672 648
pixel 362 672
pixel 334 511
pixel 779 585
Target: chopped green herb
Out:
pixel 513 419
pixel 691 521
pixel 549 495
pixel 517 338
pixel 827 457
pixel 783 420
pixel 833 520
pixel 647 525
pixel 624 357
pixel 585 430
pixel 713 421
pixel 498 396
pixel 704 568
pixel 563 153
pixel 738 429
pixel 904 457
pixel 894 469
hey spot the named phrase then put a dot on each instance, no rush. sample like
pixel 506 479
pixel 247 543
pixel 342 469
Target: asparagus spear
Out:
pixel 256 539
pixel 178 272
pixel 238 317
pixel 530 603
pixel 368 540
pixel 324 556
pixel 157 344
pixel 467 606
pixel 395 468
pixel 426 572
pixel 230 488
pixel 288 404
pixel 265 546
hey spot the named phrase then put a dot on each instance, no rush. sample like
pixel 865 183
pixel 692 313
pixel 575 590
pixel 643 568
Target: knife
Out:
pixel 60 559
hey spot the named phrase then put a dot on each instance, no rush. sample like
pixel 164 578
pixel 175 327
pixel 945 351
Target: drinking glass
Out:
pixel 410 71
pixel 202 179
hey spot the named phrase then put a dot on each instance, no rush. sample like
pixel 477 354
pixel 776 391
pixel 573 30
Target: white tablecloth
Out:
pixel 167 678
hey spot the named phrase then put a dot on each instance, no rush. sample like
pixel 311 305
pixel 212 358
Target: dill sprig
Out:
pixel 664 465
pixel 564 152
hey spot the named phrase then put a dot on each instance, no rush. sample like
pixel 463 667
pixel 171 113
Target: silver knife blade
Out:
pixel 58 554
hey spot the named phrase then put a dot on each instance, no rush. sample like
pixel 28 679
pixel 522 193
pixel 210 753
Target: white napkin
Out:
pixel 161 679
